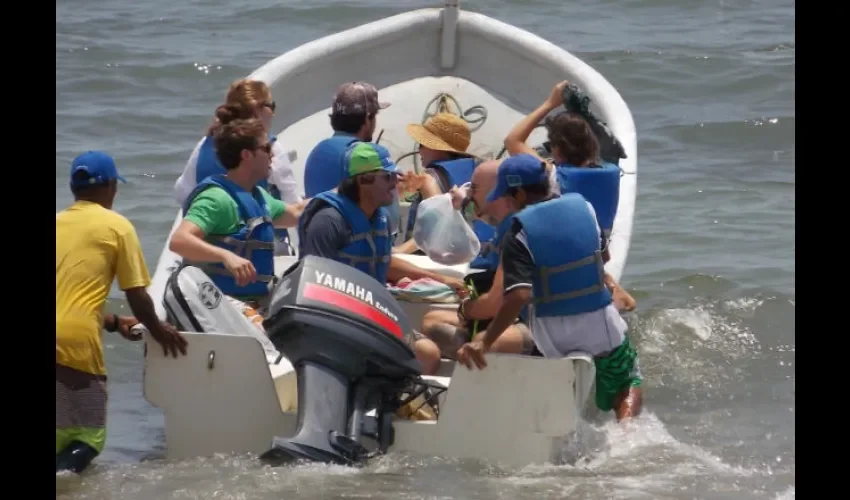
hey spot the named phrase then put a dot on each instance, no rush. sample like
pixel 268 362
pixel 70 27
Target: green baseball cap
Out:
pixel 364 157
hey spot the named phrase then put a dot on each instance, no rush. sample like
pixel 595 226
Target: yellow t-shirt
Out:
pixel 93 245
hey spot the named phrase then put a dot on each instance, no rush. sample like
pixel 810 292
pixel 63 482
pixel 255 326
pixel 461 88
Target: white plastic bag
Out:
pixel 442 232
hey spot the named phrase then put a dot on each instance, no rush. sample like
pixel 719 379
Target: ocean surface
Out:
pixel 711 86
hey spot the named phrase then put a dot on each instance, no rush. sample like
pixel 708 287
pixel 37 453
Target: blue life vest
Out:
pixel 254 240
pixel 369 249
pixel 323 169
pixel 458 172
pixel 488 257
pixel 209 165
pixel 600 185
pixel 570 275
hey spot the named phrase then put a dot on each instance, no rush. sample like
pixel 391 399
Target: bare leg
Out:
pixel 628 403
pixel 428 355
pixel 437 316
pixel 515 340
pixel 443 327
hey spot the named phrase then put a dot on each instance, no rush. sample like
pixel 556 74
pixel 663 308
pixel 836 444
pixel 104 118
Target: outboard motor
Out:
pixel 344 334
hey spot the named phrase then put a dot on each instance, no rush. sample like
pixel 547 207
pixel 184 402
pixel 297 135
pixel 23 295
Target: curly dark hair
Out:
pixel 575 140
pixel 230 139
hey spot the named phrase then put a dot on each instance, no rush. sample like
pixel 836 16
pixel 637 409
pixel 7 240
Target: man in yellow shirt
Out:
pixel 93 246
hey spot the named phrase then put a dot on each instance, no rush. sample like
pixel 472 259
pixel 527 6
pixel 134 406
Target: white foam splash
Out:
pixel 789 494
pixel 698 321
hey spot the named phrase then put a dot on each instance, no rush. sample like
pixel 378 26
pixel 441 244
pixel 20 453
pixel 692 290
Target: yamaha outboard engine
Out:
pixel 344 334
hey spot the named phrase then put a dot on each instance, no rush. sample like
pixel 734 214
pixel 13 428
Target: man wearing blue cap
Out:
pixel 94 245
pixel 556 273
pixel 351 226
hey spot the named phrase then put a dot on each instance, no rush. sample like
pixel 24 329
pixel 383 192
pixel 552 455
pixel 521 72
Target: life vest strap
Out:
pixel 253 222
pixel 547 272
pixel 569 295
pixel 358 259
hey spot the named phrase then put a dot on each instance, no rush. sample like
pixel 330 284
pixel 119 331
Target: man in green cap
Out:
pixel 352 226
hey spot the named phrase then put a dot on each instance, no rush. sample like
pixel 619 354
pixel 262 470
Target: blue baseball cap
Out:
pixel 99 165
pixel 364 157
pixel 520 170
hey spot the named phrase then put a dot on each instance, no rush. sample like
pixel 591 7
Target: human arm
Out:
pixel 473 352
pixel 282 175
pixel 122 324
pixel 516 268
pixel 515 141
pixel 164 333
pixel 622 299
pixel 133 278
pixel 284 215
pixel 184 184
pixel 486 305
pixel 188 242
pixel 207 215
pixel 516 281
pixel 407 247
pixel 400 268
pixel 427 186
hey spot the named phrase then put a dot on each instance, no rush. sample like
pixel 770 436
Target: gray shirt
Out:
pixel 327 234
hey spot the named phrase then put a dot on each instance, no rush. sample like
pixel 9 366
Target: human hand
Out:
pixel 556 98
pixel 456 284
pixel 241 269
pixel 410 182
pixel 623 300
pixel 125 324
pixel 458 195
pixel 472 353
pixel 169 338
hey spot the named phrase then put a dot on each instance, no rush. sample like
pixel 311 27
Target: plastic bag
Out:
pixel 443 233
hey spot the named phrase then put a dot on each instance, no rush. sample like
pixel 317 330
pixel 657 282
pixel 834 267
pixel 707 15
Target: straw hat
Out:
pixel 442 132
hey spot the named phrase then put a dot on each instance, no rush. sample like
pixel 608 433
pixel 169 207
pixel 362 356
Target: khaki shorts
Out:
pixel 450 338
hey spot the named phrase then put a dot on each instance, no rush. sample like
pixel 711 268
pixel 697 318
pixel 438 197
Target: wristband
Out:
pixel 460 310
pixel 114 324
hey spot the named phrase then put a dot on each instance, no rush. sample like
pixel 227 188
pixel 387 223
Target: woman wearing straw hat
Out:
pixel 443 140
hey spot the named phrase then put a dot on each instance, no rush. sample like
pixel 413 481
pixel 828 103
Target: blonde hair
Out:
pixel 243 99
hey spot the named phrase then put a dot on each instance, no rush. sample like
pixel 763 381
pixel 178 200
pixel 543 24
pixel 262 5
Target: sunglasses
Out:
pixel 267 147
pixel 386 177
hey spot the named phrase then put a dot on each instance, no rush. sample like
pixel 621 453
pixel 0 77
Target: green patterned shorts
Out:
pixel 616 372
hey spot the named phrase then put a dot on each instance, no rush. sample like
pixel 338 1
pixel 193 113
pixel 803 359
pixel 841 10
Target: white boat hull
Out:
pixel 228 396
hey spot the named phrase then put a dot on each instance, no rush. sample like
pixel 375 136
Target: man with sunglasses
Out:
pixel 229 221
pixel 333 222
pixel 554 276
